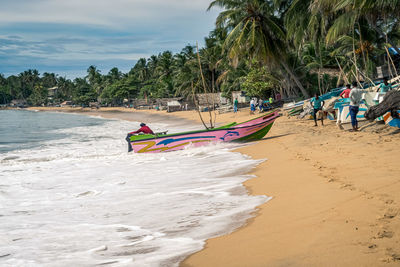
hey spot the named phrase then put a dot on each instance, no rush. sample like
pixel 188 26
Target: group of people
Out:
pixel 261 104
pixel 254 103
pixel 354 93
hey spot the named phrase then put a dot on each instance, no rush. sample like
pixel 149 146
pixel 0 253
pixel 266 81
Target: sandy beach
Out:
pixel 335 195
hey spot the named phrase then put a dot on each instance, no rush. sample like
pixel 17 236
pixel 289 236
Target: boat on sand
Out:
pixel 251 130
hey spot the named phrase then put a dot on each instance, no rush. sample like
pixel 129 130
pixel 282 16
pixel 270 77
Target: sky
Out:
pixel 67 36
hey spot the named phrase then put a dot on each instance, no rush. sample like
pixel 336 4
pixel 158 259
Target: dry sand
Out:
pixel 335 198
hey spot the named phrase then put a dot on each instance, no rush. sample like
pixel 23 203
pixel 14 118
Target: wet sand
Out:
pixel 335 197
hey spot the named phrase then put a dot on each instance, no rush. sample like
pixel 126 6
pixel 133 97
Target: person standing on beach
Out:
pixel 385 86
pixel 346 92
pixel 317 104
pixel 252 106
pixel 355 100
pixel 235 105
pixel 260 105
pixel 382 90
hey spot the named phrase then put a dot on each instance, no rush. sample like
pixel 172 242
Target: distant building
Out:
pixel 20 103
pixel 211 98
pixel 383 71
pixel 51 92
pixel 94 105
pixel 173 105
pixel 66 103
pixel 240 97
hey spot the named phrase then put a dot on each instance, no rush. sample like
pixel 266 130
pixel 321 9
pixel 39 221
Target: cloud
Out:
pixel 112 13
pixel 69 36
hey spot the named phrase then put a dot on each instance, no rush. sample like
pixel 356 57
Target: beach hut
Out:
pixel 66 104
pixel 173 105
pixel 142 103
pixel 94 105
pixel 51 92
pixel 241 97
pixel 19 103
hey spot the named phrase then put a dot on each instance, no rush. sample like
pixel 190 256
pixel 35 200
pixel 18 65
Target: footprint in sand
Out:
pixel 367 195
pixel 390 213
pixel 385 234
pixel 395 257
pixel 392 256
pixel 371 247
pixel 348 186
pixel 389 201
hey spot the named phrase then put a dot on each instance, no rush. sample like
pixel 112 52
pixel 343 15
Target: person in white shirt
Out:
pixel 252 106
pixel 355 100
pixel 260 105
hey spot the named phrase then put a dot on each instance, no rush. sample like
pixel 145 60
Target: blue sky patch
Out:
pixel 66 37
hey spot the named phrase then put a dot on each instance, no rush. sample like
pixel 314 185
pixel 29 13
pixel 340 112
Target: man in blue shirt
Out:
pixel 385 86
pixel 317 104
pixel 382 90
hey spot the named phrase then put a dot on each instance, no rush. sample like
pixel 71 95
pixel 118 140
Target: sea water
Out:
pixel 71 195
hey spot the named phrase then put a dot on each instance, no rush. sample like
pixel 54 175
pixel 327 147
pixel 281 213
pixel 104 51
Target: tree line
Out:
pixel 262 47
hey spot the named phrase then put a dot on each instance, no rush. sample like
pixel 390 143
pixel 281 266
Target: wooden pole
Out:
pixel 391 60
pixel 197 106
pixel 341 71
pixel 363 74
pixel 204 85
pixel 356 78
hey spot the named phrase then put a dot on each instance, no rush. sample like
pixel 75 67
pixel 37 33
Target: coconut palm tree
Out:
pixel 254 31
pixel 164 73
pixel 183 74
pixel 382 16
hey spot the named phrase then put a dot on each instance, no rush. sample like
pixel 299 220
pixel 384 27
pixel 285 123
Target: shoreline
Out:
pixel 336 204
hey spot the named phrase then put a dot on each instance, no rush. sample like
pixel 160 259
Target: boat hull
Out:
pixel 389 120
pixel 243 132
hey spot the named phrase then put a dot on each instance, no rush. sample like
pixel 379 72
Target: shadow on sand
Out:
pixel 275 136
pixel 397 131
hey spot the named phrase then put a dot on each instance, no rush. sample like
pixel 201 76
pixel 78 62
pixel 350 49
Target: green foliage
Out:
pixel 257 46
pixel 83 93
pixel 259 83
pixel 38 96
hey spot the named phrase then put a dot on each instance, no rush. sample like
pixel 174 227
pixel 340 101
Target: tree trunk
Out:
pixel 195 100
pixel 295 79
pixel 204 86
pixel 213 91
pixel 319 81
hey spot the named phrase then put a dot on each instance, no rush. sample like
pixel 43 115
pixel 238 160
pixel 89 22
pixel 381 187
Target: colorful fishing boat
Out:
pixel 342 107
pixel 389 120
pixel 251 130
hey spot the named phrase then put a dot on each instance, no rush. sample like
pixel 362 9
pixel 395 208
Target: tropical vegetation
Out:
pixel 263 47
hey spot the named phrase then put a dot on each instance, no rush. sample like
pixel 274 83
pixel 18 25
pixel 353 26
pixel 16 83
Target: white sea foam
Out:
pixel 83 200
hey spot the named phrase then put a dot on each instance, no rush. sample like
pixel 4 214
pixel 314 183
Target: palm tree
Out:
pixel 49 80
pixel 65 87
pixel 28 80
pixel 254 31
pixel 380 14
pixel 164 71
pixel 95 79
pixel 182 73
pixel 140 70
